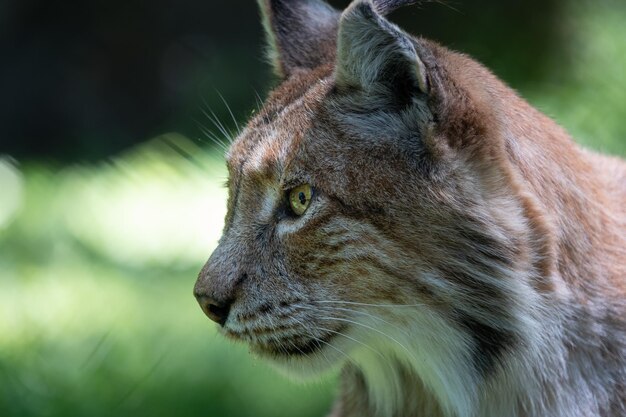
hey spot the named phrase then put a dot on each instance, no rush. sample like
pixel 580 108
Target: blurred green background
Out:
pixel 111 193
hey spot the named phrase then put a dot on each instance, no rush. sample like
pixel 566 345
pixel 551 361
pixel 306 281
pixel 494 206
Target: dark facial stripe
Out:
pixel 485 245
pixel 490 344
pixel 330 264
pixel 481 253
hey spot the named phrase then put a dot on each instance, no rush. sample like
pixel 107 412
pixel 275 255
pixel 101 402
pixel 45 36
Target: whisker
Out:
pixel 373 329
pixel 229 111
pixel 351 338
pixel 227 133
pixel 298 349
pixel 370 305
pixel 369 315
pixel 322 341
pixel 174 146
pixel 202 127
pixel 447 4
pixel 210 134
pixel 216 122
pixel 329 345
pixel 213 138
pixel 259 101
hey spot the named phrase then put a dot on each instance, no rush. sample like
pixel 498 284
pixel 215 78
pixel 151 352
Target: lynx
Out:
pixel 395 211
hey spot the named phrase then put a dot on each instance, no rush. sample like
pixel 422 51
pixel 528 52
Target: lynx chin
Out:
pixel 398 212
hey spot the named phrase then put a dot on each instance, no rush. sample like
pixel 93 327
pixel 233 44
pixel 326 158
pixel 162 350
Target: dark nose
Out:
pixel 215 310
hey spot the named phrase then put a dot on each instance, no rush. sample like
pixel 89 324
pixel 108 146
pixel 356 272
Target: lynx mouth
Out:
pixel 295 347
pixel 289 348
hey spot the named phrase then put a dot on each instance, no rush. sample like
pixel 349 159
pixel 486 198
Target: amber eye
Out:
pixel 300 198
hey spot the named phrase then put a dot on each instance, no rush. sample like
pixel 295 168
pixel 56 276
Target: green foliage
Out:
pixel 100 321
pixel 587 93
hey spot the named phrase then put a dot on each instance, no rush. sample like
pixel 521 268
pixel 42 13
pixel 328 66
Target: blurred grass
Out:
pixel 587 93
pixel 97 264
pixel 96 312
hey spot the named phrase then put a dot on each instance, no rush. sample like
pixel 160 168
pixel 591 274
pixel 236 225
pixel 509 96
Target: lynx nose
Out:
pixel 215 310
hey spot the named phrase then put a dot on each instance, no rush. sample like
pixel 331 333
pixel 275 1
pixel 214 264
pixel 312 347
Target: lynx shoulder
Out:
pixel 397 211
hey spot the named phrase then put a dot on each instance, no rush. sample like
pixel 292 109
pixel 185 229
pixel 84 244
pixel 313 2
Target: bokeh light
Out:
pixel 11 184
pixel 153 206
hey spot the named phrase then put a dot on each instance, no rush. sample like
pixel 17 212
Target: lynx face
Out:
pixel 404 238
pixel 380 214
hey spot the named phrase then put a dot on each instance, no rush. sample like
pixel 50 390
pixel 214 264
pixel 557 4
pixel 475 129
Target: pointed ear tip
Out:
pixel 376 7
pixel 362 9
pixel 357 6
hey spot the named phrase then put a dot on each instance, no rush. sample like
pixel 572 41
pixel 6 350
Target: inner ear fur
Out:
pixel 373 52
pixel 301 34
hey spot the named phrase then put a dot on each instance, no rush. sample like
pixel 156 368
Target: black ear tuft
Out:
pixel 301 33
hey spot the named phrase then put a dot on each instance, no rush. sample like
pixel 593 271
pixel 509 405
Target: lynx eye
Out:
pixel 300 198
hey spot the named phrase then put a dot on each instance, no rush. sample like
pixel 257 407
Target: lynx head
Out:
pixel 374 216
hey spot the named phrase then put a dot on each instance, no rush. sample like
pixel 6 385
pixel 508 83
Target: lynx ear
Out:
pixel 301 33
pixel 374 53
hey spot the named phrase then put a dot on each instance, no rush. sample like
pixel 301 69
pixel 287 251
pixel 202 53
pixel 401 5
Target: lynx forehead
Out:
pixel 397 211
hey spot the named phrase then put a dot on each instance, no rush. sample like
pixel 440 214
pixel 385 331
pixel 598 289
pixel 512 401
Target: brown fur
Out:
pixel 440 191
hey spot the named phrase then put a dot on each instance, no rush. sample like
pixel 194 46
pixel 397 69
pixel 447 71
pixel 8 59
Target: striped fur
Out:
pixel 461 256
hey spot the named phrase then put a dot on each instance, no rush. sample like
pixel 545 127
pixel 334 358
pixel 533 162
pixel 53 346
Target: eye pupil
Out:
pixel 299 199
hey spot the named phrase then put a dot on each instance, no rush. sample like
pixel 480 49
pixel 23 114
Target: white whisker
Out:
pixel 321 341
pixel 351 338
pixel 370 305
pixel 213 138
pixel 229 111
pixel 350 310
pixel 373 329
